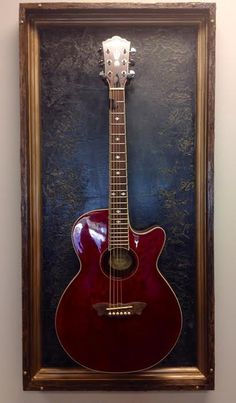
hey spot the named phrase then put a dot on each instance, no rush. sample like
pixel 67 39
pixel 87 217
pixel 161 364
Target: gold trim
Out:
pixel 182 375
pixel 35 192
pixel 201 184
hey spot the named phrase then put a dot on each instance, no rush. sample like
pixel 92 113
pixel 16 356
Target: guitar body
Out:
pixel 124 342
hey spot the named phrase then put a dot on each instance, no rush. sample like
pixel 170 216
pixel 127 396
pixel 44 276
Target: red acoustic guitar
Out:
pixel 118 314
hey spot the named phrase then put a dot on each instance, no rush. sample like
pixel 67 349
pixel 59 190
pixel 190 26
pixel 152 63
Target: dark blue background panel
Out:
pixel 161 159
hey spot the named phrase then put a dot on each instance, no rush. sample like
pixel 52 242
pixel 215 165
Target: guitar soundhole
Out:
pixel 119 262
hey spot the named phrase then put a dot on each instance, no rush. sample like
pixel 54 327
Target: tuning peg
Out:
pixel 132 51
pixel 131 62
pixel 101 62
pixel 100 50
pixel 131 74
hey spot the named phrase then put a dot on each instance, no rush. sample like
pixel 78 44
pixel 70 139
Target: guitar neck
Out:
pixel 118 179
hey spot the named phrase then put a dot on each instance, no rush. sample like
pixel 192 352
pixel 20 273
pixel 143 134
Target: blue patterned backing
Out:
pixel 161 158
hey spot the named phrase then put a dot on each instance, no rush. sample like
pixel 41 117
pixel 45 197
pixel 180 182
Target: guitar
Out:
pixel 118 314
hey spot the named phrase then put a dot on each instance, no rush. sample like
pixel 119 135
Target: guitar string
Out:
pixel 114 187
pixel 122 141
pixel 113 191
pixel 118 194
pixel 117 187
pixel 109 218
pixel 116 93
pixel 121 146
pixel 111 205
pixel 120 129
pixel 124 163
pixel 111 209
pixel 119 206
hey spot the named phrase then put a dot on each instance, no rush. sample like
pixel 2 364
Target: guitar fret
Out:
pixel 117 176
pixel 125 238
pixel 118 226
pixel 115 244
pixel 120 189
pixel 119 242
pixel 114 228
pixel 119 216
pixel 116 236
pixel 114 220
pixel 119 237
pixel 118 202
pixel 115 206
pixel 114 184
pixel 124 230
pixel 113 225
pixel 122 208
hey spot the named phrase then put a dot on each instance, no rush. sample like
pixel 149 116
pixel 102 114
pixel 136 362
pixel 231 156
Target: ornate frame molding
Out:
pixel 31 18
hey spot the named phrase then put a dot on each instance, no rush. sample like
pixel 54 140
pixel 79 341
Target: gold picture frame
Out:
pixel 31 18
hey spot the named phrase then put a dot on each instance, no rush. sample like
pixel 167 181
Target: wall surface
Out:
pixel 225 227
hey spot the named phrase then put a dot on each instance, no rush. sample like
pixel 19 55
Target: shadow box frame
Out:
pixel 31 18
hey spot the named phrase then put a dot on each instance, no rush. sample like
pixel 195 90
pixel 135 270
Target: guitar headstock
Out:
pixel 116 53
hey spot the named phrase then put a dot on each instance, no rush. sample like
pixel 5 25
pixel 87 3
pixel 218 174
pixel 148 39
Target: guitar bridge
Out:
pixel 119 310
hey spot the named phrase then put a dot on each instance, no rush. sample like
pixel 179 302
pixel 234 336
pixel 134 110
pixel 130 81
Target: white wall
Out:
pixel 225 227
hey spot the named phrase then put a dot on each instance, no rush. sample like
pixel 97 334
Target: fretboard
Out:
pixel 118 180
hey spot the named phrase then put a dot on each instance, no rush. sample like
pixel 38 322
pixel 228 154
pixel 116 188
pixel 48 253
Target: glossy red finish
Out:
pixel 120 344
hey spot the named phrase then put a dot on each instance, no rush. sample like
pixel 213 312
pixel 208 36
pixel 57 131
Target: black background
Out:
pixel 161 159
